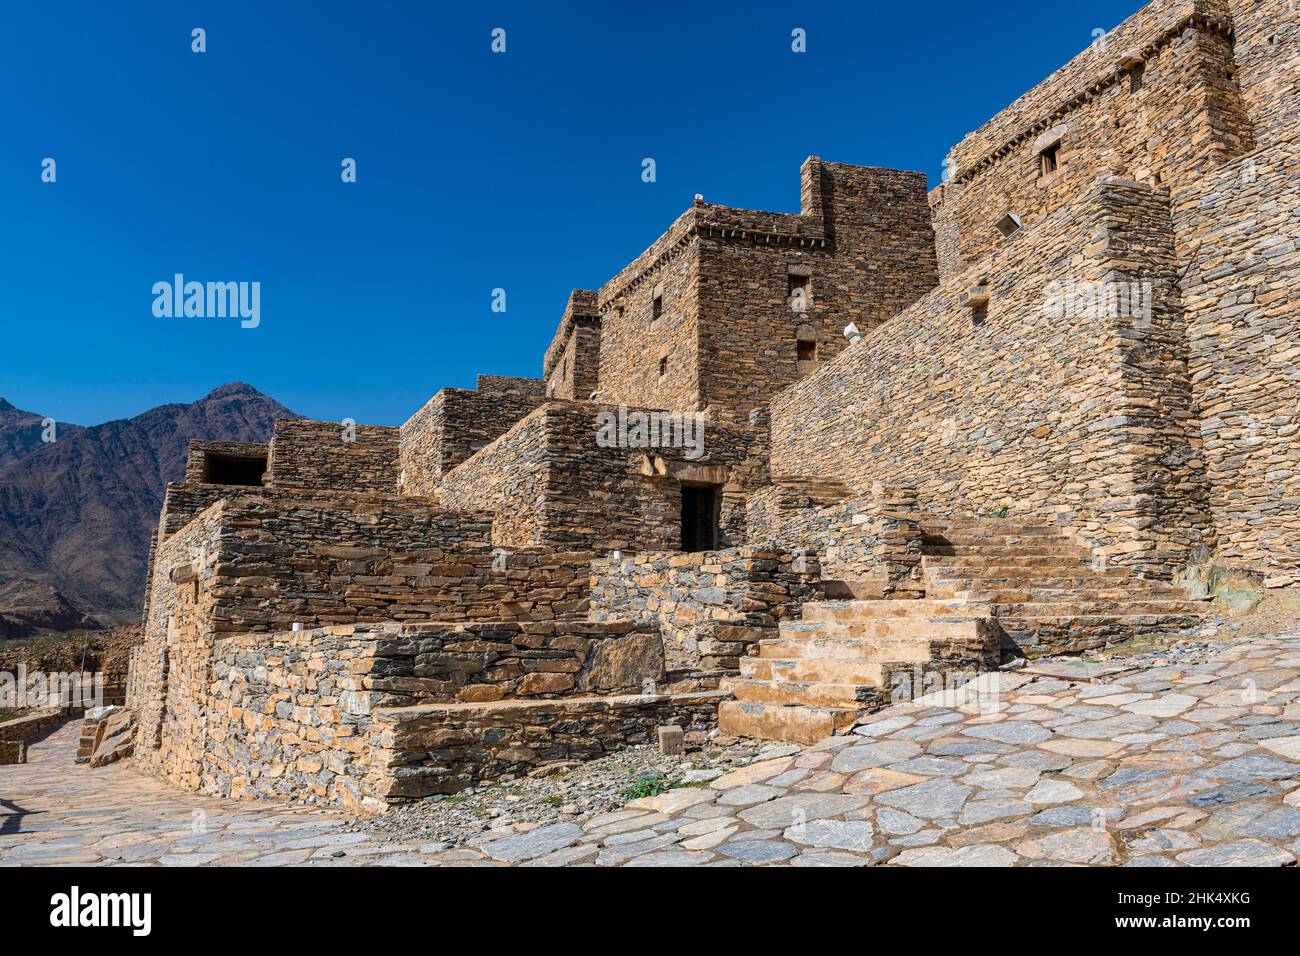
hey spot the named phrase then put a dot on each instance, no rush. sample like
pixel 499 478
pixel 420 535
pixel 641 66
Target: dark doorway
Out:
pixel 233 470
pixel 701 505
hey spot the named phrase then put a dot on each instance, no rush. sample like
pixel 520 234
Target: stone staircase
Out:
pixel 987 583
pixel 843 658
pixel 1045 588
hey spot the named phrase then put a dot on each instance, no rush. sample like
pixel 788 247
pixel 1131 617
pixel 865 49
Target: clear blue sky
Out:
pixel 475 170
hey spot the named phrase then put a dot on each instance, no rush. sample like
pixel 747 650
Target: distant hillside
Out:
pixel 76 514
pixel 21 433
pixel 28 607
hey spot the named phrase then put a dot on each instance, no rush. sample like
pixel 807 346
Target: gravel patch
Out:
pixel 566 792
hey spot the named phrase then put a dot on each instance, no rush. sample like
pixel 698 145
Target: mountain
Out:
pixel 21 433
pixel 27 607
pixel 76 514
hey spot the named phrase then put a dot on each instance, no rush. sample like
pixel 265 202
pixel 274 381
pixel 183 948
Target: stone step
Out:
pixel 947 527
pixel 918 628
pixel 1002 562
pixel 1073 633
pixel 962 539
pixel 946 587
pixel 826 670
pixel 797 724
pixel 806 693
pixel 1005 596
pixel 871 610
pixel 1099 608
pixel 908 650
pixel 987 551
pixel 866 589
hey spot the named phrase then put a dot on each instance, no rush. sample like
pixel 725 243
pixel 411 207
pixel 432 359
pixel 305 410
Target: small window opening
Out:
pixel 799 292
pixel 663 366
pixel 656 307
pixel 979 313
pixel 1135 77
pixel 233 470
pixel 807 351
pixel 1009 225
pixel 1050 159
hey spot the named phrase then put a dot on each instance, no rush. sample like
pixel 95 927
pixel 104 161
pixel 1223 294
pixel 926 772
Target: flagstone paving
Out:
pixel 1189 764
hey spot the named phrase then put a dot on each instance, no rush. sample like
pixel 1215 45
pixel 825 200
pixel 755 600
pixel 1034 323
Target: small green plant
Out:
pixel 999 513
pixel 554 801
pixel 649 785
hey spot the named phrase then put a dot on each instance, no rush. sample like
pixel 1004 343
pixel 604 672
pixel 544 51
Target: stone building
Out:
pixel 1075 375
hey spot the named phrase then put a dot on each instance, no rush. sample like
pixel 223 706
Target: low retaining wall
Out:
pixel 17 733
pixel 444 748
pixel 290 715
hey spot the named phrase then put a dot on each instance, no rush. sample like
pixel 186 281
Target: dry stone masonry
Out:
pixel 1073 383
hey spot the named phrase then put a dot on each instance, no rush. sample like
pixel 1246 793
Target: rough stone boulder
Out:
pixel 114 738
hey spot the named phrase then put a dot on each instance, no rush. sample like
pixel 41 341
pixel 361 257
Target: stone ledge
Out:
pixel 16 733
pixel 429 749
pixel 568 705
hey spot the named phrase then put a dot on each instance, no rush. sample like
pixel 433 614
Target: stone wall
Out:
pixel 453 426
pixel 649 361
pixel 881 245
pixel 168 670
pixel 1237 232
pixel 510 383
pixel 264 560
pixel 287 717
pixel 571 366
pixel 869 547
pixel 552 481
pixel 273 559
pixel 296 714
pixel 944 210
pixel 182 503
pixel 1184 118
pixel 711 606
pixel 334 455
pixel 1037 402
pixel 419 663
pixel 1267 55
pixel 444 748
pixel 17 733
pixel 707 318
pixel 196 464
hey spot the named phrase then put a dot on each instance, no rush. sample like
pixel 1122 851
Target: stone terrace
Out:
pixel 1193 764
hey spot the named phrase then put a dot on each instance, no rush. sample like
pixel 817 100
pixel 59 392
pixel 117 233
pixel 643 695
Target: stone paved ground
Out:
pixel 1193 764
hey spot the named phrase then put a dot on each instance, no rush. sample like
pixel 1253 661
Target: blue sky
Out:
pixel 476 170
